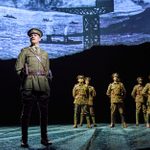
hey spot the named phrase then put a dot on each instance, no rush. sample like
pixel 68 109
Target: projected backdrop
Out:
pixel 71 26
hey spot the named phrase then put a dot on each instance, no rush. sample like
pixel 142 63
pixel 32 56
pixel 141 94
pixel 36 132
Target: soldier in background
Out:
pixel 116 91
pixel 146 93
pixel 80 94
pixel 32 66
pixel 139 99
pixel 91 95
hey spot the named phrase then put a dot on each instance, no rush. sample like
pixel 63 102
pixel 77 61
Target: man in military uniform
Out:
pixel 139 99
pixel 91 95
pixel 80 94
pixel 32 66
pixel 116 91
pixel 146 93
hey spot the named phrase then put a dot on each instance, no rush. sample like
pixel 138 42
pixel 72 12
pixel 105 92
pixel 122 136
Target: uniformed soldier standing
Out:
pixel 91 95
pixel 32 66
pixel 116 91
pixel 139 99
pixel 146 93
pixel 80 94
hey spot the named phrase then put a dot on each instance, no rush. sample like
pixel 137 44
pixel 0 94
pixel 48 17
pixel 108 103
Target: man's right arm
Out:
pixel 19 66
pixel 133 93
pixel 108 93
pixel 145 89
pixel 74 91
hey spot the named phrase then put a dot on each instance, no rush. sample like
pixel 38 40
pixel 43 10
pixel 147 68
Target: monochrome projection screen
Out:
pixel 71 26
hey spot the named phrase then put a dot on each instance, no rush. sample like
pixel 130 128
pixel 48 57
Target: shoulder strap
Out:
pixel 39 59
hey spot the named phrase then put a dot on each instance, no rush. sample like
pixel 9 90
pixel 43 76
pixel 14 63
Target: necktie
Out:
pixel 37 49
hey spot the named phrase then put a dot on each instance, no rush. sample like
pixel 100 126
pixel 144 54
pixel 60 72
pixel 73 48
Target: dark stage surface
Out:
pixel 65 137
pixel 99 62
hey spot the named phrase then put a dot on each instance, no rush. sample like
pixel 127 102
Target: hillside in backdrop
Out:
pixel 98 63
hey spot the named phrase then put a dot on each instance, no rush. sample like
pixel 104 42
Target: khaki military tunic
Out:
pixel 146 92
pixel 137 93
pixel 80 94
pixel 92 94
pixel 33 81
pixel 139 98
pixel 116 91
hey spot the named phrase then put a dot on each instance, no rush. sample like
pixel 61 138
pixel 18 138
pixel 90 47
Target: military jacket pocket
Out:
pixel 28 83
pixel 31 59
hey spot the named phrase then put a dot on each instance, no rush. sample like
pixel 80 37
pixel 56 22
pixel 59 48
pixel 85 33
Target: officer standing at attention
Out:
pixel 116 91
pixel 32 66
pixel 139 99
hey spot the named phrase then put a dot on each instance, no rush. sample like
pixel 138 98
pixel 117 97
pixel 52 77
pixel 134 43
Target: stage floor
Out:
pixel 65 137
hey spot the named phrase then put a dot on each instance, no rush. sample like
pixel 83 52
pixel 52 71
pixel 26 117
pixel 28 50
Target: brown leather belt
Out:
pixel 37 73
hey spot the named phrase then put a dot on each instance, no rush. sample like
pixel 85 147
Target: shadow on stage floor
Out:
pixel 65 137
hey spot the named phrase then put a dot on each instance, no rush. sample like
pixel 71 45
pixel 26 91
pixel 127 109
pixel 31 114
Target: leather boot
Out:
pixel 124 125
pixel 137 119
pixel 24 131
pixel 112 124
pixel 88 122
pixel 148 121
pixel 81 119
pixel 93 120
pixel 46 142
pixel 75 122
pixel 145 117
pixel 44 137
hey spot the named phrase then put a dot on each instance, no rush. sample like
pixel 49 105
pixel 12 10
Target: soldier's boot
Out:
pixel 44 137
pixel 93 120
pixel 24 140
pixel 148 121
pixel 148 125
pixel 81 119
pixel 124 125
pixel 145 118
pixel 112 124
pixel 75 122
pixel 88 122
pixel 137 119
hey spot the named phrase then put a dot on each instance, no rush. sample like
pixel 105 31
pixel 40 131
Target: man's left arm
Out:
pixel 20 64
pixel 123 91
pixel 94 92
pixel 48 70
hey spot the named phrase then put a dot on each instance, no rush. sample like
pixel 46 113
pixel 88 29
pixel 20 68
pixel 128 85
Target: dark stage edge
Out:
pixel 65 137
